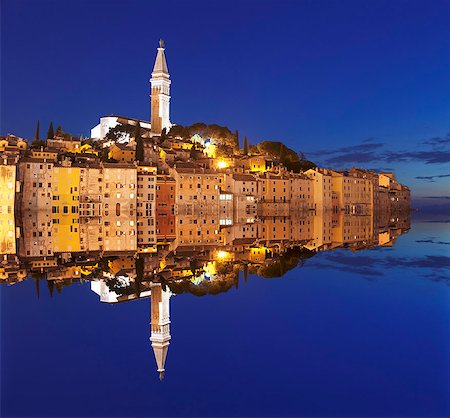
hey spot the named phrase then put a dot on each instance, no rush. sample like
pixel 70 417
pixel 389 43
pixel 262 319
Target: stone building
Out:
pixel 354 191
pixel 301 197
pixel 7 207
pixel 35 177
pixel 322 189
pixel 165 208
pixel 119 207
pixel 124 153
pixel 197 190
pixel 65 206
pixel 146 205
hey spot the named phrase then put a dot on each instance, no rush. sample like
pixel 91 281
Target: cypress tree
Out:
pixel 50 133
pixel 245 145
pixel 36 135
pixel 58 130
pixel 139 143
pixel 236 138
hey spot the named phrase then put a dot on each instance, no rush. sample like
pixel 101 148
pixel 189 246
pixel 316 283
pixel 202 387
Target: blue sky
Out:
pixel 322 76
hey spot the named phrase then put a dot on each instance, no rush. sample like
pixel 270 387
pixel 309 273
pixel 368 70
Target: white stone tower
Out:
pixel 160 325
pixel 160 93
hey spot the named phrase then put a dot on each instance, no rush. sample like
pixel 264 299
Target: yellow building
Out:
pixel 12 144
pixel 7 198
pixel 122 153
pixel 258 163
pixel 66 194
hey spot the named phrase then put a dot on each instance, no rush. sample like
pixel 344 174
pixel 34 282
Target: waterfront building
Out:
pixel 146 206
pixel 197 189
pixel 65 205
pixel 353 190
pixel 243 189
pixel 119 207
pixel 197 231
pixel 321 186
pixel 165 208
pixel 90 207
pixel 7 207
pixel 301 196
pixel 35 177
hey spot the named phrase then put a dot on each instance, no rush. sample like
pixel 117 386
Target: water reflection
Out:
pixel 212 263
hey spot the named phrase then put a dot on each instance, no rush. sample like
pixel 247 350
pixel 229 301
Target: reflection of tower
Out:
pixel 160 93
pixel 160 325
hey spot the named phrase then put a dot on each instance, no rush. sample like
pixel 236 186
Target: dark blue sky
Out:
pixel 322 76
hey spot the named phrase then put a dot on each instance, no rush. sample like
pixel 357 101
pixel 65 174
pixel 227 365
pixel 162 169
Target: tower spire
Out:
pixel 160 325
pixel 160 93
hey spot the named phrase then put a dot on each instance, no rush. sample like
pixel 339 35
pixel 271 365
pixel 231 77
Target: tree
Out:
pixel 36 135
pixel 236 135
pixel 290 159
pixel 50 133
pixel 139 143
pixel 58 131
pixel 120 132
pixel 245 145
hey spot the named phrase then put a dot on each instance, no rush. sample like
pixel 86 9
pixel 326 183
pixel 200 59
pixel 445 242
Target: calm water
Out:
pixel 351 333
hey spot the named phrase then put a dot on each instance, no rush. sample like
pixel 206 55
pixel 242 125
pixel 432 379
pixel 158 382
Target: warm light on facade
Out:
pixel 222 255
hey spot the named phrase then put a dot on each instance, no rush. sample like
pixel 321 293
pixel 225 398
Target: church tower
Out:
pixel 160 325
pixel 160 93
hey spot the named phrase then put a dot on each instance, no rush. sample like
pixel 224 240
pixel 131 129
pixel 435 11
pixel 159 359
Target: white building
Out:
pixel 107 122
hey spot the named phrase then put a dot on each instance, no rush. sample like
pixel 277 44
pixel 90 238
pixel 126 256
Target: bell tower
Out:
pixel 160 93
pixel 160 325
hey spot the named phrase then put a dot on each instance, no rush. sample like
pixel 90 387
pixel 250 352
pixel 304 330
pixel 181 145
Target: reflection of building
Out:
pixel 7 199
pixel 146 205
pixel 66 194
pixel 160 325
pixel 165 208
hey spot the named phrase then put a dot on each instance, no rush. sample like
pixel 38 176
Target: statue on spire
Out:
pixel 161 43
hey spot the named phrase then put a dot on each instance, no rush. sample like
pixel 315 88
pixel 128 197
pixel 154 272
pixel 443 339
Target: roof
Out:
pixel 244 177
pixel 46 149
pixel 160 62
pixel 119 165
pixel 195 170
pixel 124 147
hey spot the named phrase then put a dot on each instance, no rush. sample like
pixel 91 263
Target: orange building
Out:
pixel 165 208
